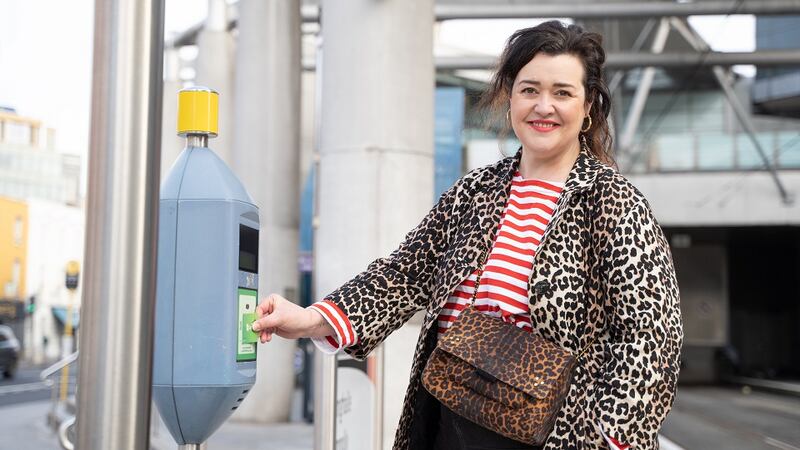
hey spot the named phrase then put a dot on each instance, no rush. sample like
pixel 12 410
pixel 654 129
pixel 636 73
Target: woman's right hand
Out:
pixel 276 315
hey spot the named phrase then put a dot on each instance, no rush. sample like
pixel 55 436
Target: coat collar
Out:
pixel 581 177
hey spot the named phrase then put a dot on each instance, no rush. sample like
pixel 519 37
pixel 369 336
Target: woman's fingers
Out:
pixel 276 315
pixel 267 306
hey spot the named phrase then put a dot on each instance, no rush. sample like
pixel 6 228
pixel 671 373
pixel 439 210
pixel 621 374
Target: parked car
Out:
pixel 9 352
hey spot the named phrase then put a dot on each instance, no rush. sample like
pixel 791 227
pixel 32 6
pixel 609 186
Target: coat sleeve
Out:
pixel 383 297
pixel 636 384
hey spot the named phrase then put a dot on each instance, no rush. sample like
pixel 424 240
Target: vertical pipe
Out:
pixel 122 222
pixel 324 365
pixel 267 159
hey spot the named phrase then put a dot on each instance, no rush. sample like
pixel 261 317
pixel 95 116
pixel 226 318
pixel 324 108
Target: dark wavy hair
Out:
pixel 555 38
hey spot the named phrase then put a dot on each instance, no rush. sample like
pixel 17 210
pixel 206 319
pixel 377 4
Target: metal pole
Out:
pixel 643 90
pixel 324 365
pixel 114 386
pixel 202 446
pixel 67 346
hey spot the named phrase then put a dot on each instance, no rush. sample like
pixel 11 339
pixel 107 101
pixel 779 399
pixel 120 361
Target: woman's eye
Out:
pixel 528 90
pixel 562 93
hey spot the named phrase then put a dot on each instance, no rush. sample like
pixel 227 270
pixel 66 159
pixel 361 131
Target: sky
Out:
pixel 46 54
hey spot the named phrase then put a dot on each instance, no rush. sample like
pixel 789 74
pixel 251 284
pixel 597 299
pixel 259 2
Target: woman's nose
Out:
pixel 543 106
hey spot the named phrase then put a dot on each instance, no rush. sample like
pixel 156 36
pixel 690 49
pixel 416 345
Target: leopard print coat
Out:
pixel 603 277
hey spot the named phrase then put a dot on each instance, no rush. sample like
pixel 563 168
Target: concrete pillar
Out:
pixel 267 158
pixel 214 69
pixel 171 144
pixel 376 168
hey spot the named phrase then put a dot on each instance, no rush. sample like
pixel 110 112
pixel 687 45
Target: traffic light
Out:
pixel 73 270
pixel 31 307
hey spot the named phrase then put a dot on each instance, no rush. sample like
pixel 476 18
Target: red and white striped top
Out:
pixel 503 290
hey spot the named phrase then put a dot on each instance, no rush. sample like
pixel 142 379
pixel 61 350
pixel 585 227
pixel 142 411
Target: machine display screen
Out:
pixel 248 249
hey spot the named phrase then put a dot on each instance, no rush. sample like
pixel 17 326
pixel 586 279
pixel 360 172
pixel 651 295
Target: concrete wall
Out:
pixel 724 198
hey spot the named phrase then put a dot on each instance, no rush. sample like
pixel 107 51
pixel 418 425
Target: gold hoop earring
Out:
pixel 508 115
pixel 589 127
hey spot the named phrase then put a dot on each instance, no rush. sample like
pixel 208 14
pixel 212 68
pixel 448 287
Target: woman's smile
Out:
pixel 543 126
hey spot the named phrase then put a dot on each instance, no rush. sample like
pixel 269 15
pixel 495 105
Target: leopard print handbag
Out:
pixel 501 377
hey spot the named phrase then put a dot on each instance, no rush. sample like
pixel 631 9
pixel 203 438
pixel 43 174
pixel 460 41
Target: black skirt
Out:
pixel 457 433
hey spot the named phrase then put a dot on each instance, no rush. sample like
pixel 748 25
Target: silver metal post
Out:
pixel 197 140
pixel 114 386
pixel 324 365
pixel 203 446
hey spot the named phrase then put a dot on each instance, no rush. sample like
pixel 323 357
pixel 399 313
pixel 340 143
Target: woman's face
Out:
pixel 548 104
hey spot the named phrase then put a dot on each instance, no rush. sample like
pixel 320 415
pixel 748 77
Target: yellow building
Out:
pixel 13 247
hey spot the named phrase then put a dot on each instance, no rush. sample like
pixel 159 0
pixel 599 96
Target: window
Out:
pixel 18 231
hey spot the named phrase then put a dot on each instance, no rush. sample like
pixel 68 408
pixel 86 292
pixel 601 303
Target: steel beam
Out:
pixel 620 10
pixel 763 58
pixel 632 60
pixel 583 11
pixel 742 115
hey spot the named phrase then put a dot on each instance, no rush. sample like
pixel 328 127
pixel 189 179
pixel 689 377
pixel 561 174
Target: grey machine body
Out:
pixel 207 278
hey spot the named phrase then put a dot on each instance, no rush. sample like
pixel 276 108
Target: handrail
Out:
pixel 63 434
pixel 58 365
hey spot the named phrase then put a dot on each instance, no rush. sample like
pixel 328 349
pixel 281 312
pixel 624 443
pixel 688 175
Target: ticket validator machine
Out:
pixel 204 351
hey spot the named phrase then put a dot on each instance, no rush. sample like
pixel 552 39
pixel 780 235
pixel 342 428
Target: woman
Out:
pixel 571 249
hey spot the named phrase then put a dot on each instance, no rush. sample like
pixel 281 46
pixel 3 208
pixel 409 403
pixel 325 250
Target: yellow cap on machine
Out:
pixel 198 107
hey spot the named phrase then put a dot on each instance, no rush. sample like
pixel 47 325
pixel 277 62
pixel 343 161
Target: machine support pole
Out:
pixel 116 342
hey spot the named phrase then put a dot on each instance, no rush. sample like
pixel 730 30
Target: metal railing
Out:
pixel 61 417
pixel 720 151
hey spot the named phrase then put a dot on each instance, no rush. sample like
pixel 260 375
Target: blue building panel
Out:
pixel 448 125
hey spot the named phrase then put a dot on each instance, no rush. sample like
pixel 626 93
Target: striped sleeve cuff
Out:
pixel 613 444
pixel 345 335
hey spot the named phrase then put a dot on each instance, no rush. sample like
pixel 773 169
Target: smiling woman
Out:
pixel 552 318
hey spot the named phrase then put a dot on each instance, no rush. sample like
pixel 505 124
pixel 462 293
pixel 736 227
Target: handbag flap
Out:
pixel 524 360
